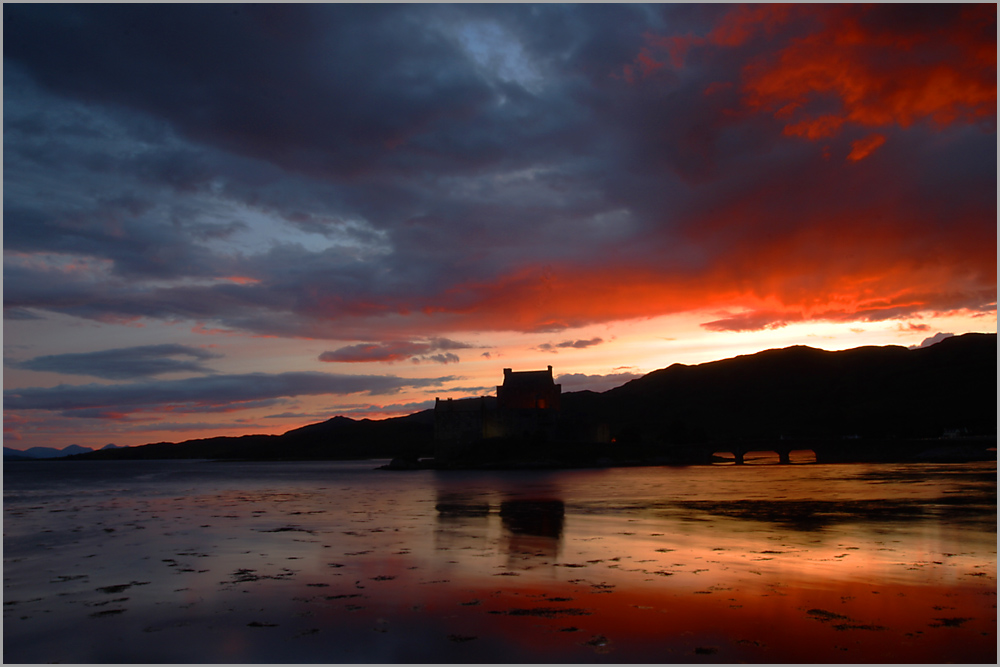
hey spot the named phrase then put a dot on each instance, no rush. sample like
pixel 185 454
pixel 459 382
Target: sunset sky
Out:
pixel 230 219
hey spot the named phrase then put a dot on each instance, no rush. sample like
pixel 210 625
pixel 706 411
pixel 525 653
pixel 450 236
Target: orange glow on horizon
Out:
pixel 769 275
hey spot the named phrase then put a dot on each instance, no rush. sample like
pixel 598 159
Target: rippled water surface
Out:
pixel 195 561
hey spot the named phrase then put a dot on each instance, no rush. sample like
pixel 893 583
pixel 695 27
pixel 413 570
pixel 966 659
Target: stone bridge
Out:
pixel 846 450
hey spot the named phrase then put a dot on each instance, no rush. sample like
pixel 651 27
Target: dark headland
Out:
pixel 864 404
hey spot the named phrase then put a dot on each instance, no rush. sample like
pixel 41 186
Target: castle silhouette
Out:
pixel 525 411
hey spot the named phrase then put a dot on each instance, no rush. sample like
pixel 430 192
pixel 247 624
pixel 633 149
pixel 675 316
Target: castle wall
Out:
pixel 458 424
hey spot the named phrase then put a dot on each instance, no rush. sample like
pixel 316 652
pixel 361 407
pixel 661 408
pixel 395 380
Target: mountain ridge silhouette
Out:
pixel 797 392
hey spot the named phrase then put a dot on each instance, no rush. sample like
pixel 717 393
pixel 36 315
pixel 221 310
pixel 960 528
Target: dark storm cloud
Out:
pixel 124 363
pixel 572 344
pixel 446 358
pixel 124 414
pixel 76 179
pixel 313 87
pixel 215 393
pixel 356 172
pixel 396 351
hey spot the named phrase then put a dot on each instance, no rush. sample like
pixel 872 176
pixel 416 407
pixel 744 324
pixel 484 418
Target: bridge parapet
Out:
pixel 861 450
pixel 740 453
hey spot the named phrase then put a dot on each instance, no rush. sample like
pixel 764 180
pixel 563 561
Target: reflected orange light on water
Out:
pixel 832 624
pixel 336 561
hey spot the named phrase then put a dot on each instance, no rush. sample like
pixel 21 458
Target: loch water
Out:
pixel 288 562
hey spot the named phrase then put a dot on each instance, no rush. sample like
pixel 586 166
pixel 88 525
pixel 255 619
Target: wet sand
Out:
pixel 332 562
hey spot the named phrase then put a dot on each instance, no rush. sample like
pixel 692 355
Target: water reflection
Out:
pixel 529 532
pixel 462 521
pixel 533 529
pixel 816 515
pixel 312 563
pixel 537 518
pixel 454 506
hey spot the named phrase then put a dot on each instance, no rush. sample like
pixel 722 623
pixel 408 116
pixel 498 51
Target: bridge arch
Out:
pixel 763 455
pixel 723 457
pixel 801 456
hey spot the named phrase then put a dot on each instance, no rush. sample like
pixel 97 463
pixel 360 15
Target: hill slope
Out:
pixel 335 439
pixel 796 392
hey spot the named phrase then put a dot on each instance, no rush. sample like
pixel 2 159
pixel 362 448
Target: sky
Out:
pixel 232 219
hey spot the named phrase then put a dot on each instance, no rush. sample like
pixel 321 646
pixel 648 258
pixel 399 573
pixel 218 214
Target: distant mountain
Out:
pixel 797 392
pixel 44 452
pixel 335 439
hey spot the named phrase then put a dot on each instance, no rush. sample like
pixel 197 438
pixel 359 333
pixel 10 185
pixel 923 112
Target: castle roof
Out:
pixel 528 390
pixel 527 380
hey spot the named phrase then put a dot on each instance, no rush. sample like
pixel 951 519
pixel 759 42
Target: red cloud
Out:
pixel 735 28
pixel 365 352
pixel 644 63
pixel 774 257
pixel 862 148
pixel 818 68
pixel 753 321
pixel 876 69
pixel 12 425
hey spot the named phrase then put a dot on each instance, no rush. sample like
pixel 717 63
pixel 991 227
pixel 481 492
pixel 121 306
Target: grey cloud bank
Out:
pixel 204 393
pixel 363 168
pixel 124 364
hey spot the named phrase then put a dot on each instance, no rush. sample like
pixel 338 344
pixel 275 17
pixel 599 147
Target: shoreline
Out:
pixel 563 456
